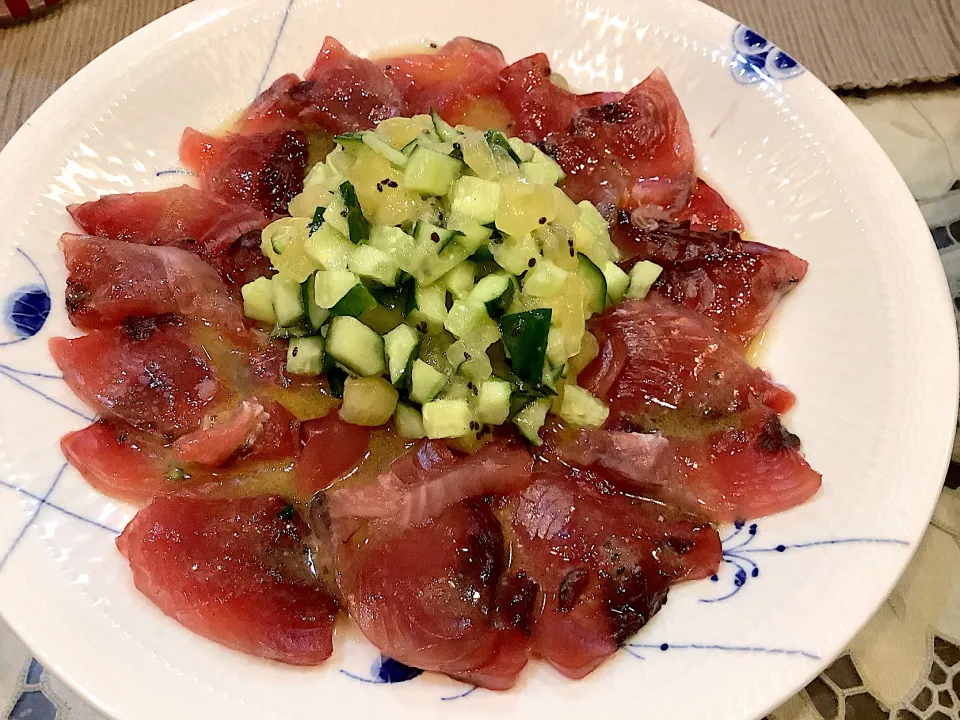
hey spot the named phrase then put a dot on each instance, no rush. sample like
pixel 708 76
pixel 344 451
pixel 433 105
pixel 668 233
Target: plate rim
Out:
pixel 55 109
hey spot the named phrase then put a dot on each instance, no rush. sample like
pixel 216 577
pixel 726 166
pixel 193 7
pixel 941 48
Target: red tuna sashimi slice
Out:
pixel 239 263
pixel 447 80
pixel 133 466
pixel 149 374
pixel 349 92
pixel 707 210
pixel 635 154
pixel 279 436
pixel 276 108
pixel 675 360
pixel 603 562
pixel 227 434
pixel 429 478
pixel 427 595
pixel 263 170
pixel 669 242
pixel 168 217
pixel 109 281
pixel 119 461
pixel 738 292
pixel 340 93
pixel 332 448
pixel 740 473
pixel 236 572
pixel 538 106
pixel 736 284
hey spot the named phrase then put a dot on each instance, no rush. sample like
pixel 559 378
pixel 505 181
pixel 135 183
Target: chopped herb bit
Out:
pixel 525 339
pixel 357 223
pixel 317 221
pixel 286 514
pixel 495 138
pixel 175 474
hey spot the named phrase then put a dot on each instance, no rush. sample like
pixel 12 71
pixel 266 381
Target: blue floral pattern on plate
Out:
pixel 756 59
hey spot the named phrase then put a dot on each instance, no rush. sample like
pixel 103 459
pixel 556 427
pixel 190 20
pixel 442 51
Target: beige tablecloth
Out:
pixel 905 664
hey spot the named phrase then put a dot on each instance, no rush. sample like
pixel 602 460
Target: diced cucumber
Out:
pixel 594 282
pixel 409 422
pixel 330 286
pixel 582 409
pixel 464 318
pixel 478 368
pixel 287 300
pixel 305 356
pixel 522 150
pixel 642 277
pixel 495 292
pixel 514 253
pixel 531 418
pixel 258 300
pixel 492 405
pixel 498 141
pixel 335 216
pixel 401 131
pixel 401 345
pixel 431 173
pixel 524 207
pixel 460 280
pixel 556 347
pixel 329 249
pixel 545 280
pixel 431 307
pixel 617 281
pixel 355 346
pixel 446 418
pixel 294 331
pixel 475 198
pixel 381 147
pixel 541 173
pixel 375 264
pixel 591 217
pixel 368 401
pixel 399 297
pixel 474 235
pixel 427 233
pixel 355 303
pixel 350 141
pixel 444 131
pixel 478 155
pixel 425 382
pixel 316 315
pixel 525 339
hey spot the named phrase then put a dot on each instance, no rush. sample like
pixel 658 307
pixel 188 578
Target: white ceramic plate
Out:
pixel 867 342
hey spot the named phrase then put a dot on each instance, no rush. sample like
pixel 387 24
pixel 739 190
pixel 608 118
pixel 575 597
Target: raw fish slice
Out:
pixel 236 572
pixel 264 171
pixel 109 282
pixel 635 154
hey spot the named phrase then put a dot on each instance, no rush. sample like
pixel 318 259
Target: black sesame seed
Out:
pixel 295 351
pixel 469 386
pixel 457 146
pixel 422 327
pixel 344 213
pixel 573 253
pixel 388 67
pixel 379 187
pixel 532 263
pixel 433 45
pixel 435 236
pixel 466 356
pixel 393 184
pixel 543 221
pixel 480 435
